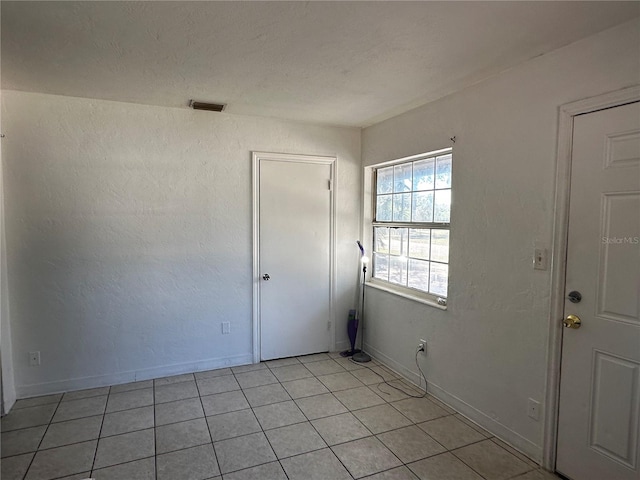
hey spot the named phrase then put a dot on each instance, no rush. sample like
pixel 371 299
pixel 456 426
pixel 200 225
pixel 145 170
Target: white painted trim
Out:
pixel 7 379
pixel 397 367
pixel 257 157
pixel 366 221
pixel 500 430
pixel 559 254
pixel 333 257
pixel 400 292
pixel 341 346
pixel 36 389
pixel 255 316
pixel 412 158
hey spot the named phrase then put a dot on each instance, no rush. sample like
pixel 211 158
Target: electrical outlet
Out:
pixel 422 346
pixel 226 328
pixel 34 359
pixel 533 409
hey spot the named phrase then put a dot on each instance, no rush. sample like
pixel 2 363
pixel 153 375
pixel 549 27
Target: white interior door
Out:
pixel 294 273
pixel 598 424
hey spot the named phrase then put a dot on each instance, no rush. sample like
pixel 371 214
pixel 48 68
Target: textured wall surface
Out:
pixel 129 235
pixel 487 352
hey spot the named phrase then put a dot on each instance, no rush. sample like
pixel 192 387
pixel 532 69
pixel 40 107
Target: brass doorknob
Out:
pixel 572 321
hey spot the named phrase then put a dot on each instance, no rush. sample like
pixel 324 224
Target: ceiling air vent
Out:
pixel 212 107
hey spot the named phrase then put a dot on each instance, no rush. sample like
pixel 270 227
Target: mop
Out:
pixel 360 356
pixel 352 324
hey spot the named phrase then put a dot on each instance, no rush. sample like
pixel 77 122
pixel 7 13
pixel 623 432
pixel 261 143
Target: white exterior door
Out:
pixel 598 426
pixel 294 274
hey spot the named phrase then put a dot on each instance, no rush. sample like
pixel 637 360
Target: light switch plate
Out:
pixel 540 259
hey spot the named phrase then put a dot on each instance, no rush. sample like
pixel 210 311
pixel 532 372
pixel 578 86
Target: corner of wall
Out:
pixel 6 353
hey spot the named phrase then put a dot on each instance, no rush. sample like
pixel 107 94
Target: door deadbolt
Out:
pixel 574 296
pixel 266 277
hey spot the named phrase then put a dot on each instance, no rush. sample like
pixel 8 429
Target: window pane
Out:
pixel 422 208
pixel 423 174
pixel 381 235
pixel 381 266
pixel 418 195
pixel 398 241
pixel 419 243
pixel 398 270
pixel 402 178
pixel 384 180
pixel 440 245
pixel 443 171
pixel 438 279
pixel 442 206
pixel 401 207
pixel 383 208
pixel 419 274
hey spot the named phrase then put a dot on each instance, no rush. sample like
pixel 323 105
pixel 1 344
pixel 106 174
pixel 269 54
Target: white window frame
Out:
pixel 369 224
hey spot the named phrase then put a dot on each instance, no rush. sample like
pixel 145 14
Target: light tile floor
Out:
pixel 314 417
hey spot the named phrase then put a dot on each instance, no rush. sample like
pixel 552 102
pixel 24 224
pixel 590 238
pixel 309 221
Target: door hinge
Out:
pixel 330 182
pixel 328 325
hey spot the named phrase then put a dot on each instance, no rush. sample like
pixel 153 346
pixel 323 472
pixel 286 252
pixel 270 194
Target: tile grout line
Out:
pixel 215 454
pixel 82 441
pixel 446 450
pixel 116 464
pixel 268 368
pixel 42 439
pixel 373 435
pixel 155 436
pixel 15 408
pixel 312 425
pixel 104 413
pixel 244 435
pixel 264 433
pixel 517 454
pixel 466 464
pixel 331 447
pixel 291 399
pixel 308 420
pixel 480 441
pixel 299 454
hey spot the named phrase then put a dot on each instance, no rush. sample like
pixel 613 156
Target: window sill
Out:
pixel 403 294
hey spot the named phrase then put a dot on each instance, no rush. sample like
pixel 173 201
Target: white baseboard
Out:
pixel 501 431
pixel 398 368
pixel 47 388
pixel 343 345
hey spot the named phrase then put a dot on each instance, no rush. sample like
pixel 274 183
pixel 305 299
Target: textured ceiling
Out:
pixel 344 63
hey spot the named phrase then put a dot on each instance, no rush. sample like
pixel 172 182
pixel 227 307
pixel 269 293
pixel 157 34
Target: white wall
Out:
pixel 487 352
pixel 129 235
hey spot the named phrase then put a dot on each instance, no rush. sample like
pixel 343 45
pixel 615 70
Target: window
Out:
pixel 411 223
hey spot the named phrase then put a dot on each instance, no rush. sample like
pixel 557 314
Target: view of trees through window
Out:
pixel 411 224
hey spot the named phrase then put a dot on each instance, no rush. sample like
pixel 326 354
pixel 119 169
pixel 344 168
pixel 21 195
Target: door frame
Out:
pixel 257 158
pixel 559 249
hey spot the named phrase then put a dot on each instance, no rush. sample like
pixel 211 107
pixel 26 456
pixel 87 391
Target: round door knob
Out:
pixel 572 321
pixel 266 277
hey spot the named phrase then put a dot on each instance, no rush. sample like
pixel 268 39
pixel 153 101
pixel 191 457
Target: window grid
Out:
pixel 404 256
pixel 415 272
